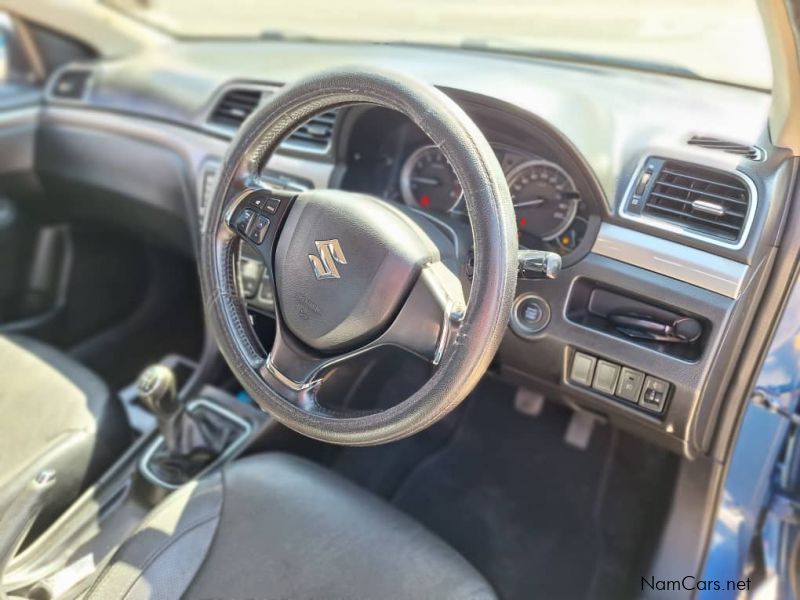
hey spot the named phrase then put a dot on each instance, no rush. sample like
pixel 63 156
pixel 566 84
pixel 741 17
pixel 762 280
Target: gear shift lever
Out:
pixel 158 391
pixel 193 439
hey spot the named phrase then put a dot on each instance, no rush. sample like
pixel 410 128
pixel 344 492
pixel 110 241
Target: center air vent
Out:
pixel 704 202
pixel 235 106
pixel 71 84
pixel 315 135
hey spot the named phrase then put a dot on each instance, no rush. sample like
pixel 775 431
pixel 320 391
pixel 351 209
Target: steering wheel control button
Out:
pixel 654 394
pixel 605 377
pixel 630 384
pixel 271 205
pixel 243 220
pixel 582 369
pixel 530 315
pixel 258 230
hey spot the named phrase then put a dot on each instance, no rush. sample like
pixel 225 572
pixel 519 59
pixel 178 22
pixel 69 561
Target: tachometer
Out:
pixel 545 200
pixel 428 181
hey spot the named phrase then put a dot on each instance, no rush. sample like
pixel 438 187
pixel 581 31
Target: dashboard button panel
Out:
pixel 619 382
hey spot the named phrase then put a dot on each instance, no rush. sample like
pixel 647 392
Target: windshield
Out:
pixel 712 39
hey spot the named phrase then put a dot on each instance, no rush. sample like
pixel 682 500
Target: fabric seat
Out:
pixel 54 413
pixel 276 526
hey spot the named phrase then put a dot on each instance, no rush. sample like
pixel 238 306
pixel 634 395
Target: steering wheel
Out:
pixel 353 272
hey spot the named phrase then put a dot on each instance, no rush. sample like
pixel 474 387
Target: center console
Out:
pixel 194 438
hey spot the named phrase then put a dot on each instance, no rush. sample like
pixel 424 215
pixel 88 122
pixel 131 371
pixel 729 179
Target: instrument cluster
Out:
pixel 389 157
pixel 548 207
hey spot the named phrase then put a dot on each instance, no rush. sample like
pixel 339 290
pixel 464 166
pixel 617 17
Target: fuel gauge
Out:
pixel 572 236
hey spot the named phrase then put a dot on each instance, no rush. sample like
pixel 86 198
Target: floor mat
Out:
pixel 538 518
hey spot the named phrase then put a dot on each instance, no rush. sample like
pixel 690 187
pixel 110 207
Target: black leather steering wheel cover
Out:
pixel 468 353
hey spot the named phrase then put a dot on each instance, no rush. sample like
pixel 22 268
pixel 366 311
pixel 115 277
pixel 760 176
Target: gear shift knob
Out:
pixel 158 391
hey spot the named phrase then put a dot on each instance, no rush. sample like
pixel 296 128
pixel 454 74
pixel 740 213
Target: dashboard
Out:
pixel 611 168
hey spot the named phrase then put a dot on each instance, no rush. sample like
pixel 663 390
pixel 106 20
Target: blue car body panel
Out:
pixel 752 485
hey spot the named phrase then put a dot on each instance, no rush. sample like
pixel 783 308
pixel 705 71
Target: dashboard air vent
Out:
pixel 235 106
pixel 315 135
pixel 701 201
pixel 238 103
pixel 71 84
pixel 744 150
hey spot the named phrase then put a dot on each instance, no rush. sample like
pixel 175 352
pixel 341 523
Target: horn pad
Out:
pixel 344 265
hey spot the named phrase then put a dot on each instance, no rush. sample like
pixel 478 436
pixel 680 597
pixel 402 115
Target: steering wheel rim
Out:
pixel 469 335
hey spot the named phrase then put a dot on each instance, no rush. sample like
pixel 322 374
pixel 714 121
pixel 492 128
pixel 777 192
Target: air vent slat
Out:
pixel 315 135
pixel 243 104
pixel 681 213
pixel 701 179
pixel 708 194
pixel 699 199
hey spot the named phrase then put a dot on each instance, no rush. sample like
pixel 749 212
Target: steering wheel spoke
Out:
pixel 293 370
pixel 430 316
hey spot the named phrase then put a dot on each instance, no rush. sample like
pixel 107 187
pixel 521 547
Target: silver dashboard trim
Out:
pixel 683 231
pixel 703 269
pixel 17 144
pixel 21 116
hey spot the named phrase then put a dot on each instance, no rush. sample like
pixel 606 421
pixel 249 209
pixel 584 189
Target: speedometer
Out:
pixel 545 200
pixel 428 181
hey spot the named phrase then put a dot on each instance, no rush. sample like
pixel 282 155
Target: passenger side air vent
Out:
pixel 315 135
pixel 71 84
pixel 698 201
pixel 235 106
pixel 744 150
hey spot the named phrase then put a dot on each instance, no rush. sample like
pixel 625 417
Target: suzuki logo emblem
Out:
pixel 330 253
